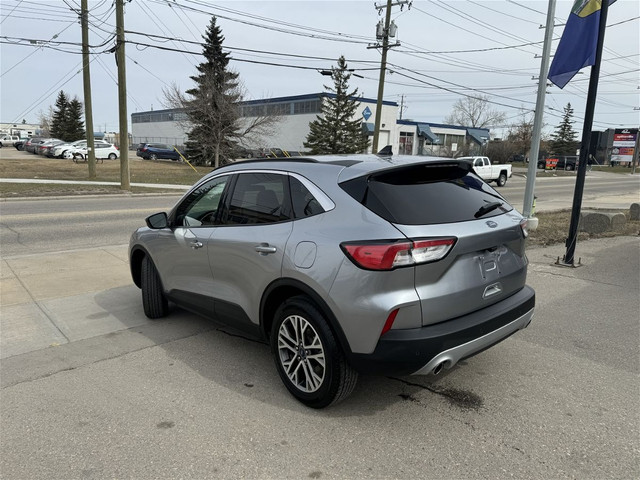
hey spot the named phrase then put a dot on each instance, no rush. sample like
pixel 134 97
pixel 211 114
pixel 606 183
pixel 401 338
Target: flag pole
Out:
pixel 572 239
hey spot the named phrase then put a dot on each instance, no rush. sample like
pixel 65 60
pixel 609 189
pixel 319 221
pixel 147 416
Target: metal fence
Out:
pixel 173 141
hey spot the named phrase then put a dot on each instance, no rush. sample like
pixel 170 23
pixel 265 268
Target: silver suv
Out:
pixel 345 264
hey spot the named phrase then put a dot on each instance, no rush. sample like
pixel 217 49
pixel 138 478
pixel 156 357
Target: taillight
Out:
pixel 117 148
pixel 390 255
pixel 524 224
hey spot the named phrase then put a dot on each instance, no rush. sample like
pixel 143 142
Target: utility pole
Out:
pixel 122 98
pixel 401 106
pixel 383 32
pixel 539 113
pixel 86 79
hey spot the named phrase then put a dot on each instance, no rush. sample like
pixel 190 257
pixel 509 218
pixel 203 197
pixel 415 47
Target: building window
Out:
pixel 406 143
pixel 307 106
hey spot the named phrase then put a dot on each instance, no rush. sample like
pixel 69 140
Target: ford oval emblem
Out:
pixel 491 224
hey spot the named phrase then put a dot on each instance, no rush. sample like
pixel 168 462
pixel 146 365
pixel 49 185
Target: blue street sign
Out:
pixel 366 113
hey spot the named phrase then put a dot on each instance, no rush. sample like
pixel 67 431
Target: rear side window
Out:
pixel 304 203
pixel 426 194
pixel 259 198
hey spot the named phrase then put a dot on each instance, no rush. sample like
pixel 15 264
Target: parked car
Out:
pixel 344 264
pixel 32 143
pixel 20 144
pixel 40 149
pixel 488 172
pixel 81 145
pixel 102 150
pixel 154 151
pixel 46 148
pixel 9 140
pixel 60 150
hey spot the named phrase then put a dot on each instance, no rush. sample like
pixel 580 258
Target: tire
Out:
pixel 112 156
pixel 153 156
pixel 154 302
pixel 502 180
pixel 570 167
pixel 307 379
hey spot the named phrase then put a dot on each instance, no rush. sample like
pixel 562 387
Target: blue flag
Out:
pixel 577 47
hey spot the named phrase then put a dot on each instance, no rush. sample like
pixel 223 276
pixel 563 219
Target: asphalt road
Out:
pixel 556 192
pixel 55 224
pixel 49 225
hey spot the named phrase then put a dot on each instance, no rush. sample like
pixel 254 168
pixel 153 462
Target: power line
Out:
pixel 35 51
pixel 17 5
pixel 59 84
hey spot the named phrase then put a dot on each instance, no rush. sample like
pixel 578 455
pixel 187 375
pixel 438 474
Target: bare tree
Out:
pixel 45 119
pixel 248 129
pixel 474 112
pixel 520 134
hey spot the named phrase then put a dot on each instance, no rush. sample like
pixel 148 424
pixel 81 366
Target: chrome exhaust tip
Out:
pixel 438 368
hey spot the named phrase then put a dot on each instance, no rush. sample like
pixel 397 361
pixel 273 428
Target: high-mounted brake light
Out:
pixel 390 255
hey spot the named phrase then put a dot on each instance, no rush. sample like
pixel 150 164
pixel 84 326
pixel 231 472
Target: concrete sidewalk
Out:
pixel 51 299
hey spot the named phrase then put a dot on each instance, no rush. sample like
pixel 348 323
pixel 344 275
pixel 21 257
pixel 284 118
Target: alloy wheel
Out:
pixel 301 353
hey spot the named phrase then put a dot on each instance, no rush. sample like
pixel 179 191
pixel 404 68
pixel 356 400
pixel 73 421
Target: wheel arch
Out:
pixel 135 264
pixel 284 288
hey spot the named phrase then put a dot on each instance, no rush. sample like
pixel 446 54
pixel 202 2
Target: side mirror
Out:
pixel 157 221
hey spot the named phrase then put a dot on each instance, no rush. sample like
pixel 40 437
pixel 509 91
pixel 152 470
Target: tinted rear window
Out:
pixel 425 194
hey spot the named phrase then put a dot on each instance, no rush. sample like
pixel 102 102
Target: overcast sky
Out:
pixel 448 48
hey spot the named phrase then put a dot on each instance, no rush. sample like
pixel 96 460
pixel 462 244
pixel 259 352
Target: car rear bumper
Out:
pixel 420 351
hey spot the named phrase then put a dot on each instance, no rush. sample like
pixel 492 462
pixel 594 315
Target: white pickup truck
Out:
pixel 8 140
pixel 489 173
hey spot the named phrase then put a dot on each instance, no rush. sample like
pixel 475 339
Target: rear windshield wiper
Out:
pixel 489 207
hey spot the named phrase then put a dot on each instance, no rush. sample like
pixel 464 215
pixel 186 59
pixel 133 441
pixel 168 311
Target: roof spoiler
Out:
pixel 385 152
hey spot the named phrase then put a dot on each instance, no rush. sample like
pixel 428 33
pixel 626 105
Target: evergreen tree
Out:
pixel 74 125
pixel 57 126
pixel 334 131
pixel 563 140
pixel 212 107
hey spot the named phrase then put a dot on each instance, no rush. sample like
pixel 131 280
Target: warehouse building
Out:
pixel 292 127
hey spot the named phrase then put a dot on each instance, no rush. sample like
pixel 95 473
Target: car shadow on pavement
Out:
pixel 230 359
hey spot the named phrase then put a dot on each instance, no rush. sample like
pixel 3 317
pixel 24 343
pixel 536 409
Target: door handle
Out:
pixel 195 245
pixel 265 249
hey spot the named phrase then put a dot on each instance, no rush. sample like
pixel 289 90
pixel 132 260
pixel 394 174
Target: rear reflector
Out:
pixel 390 255
pixel 389 323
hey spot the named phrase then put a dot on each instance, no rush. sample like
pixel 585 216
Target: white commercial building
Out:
pixel 295 113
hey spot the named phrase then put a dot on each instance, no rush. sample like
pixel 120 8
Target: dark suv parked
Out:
pixel 154 151
pixel 345 264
